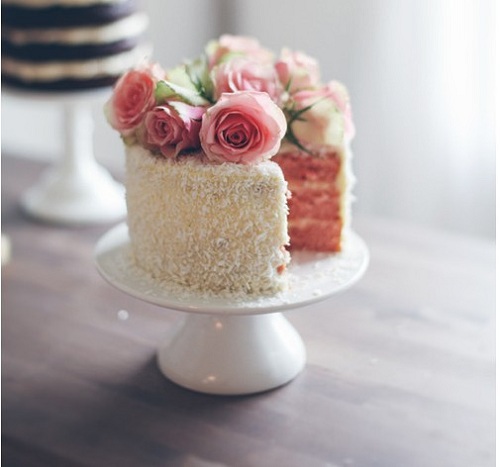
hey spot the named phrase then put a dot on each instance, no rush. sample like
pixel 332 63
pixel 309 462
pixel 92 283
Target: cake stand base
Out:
pixel 232 355
pixel 65 195
pixel 77 190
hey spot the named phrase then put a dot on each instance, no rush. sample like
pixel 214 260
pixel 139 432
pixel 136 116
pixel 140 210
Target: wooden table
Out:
pixel 401 368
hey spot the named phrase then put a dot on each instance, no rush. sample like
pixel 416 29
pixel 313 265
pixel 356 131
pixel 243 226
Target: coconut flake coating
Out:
pixel 219 228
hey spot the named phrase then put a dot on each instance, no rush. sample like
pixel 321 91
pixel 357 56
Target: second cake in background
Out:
pixel 59 45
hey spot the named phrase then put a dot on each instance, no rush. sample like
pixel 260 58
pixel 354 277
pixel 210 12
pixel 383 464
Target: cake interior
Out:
pixel 317 213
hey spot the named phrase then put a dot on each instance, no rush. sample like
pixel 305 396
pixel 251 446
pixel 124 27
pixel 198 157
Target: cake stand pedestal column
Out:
pixel 76 190
pixel 224 354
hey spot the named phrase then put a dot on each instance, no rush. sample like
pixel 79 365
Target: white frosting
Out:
pixel 54 3
pixel 84 69
pixel 218 228
pixel 130 26
pixel 345 183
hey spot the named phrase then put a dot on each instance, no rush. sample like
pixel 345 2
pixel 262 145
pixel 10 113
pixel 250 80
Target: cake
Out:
pixel 220 228
pixel 70 44
pixel 228 157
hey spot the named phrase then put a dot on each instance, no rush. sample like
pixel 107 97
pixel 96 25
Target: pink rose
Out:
pixel 228 45
pixel 133 96
pixel 172 128
pixel 243 74
pixel 297 71
pixel 338 93
pixel 322 124
pixel 244 127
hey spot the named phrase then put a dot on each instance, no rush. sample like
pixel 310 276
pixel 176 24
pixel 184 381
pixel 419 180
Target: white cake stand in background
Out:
pixel 76 190
pixel 228 346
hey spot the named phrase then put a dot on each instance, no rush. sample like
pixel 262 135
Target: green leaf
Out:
pixel 290 136
pixel 198 73
pixel 179 76
pixel 129 140
pixel 163 91
pixel 166 90
pixel 297 114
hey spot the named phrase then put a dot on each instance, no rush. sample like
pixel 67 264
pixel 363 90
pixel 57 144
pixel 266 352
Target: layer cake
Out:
pixel 207 208
pixel 70 44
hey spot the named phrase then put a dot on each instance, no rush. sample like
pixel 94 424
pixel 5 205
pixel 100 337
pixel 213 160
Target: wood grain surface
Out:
pixel 400 372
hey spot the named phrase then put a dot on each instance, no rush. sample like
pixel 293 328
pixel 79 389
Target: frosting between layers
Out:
pixel 344 184
pixel 131 26
pixel 54 70
pixel 218 228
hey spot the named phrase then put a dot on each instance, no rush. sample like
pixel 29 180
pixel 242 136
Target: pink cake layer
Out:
pixel 315 221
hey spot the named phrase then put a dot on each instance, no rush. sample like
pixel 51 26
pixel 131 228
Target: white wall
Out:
pixel 421 80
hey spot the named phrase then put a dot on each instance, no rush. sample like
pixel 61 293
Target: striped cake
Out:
pixel 70 44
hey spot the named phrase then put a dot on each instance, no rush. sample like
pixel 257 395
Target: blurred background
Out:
pixel 420 76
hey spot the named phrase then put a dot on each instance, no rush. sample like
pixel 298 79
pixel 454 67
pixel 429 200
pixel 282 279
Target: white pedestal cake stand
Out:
pixel 233 346
pixel 76 190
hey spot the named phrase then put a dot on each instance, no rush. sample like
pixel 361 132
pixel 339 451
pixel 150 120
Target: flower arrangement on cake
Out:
pixel 182 110
pixel 207 208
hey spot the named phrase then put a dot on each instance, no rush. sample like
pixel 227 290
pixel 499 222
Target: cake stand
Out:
pixel 76 190
pixel 226 345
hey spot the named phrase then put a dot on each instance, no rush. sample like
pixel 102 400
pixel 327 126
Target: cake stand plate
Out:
pixel 228 345
pixel 76 190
